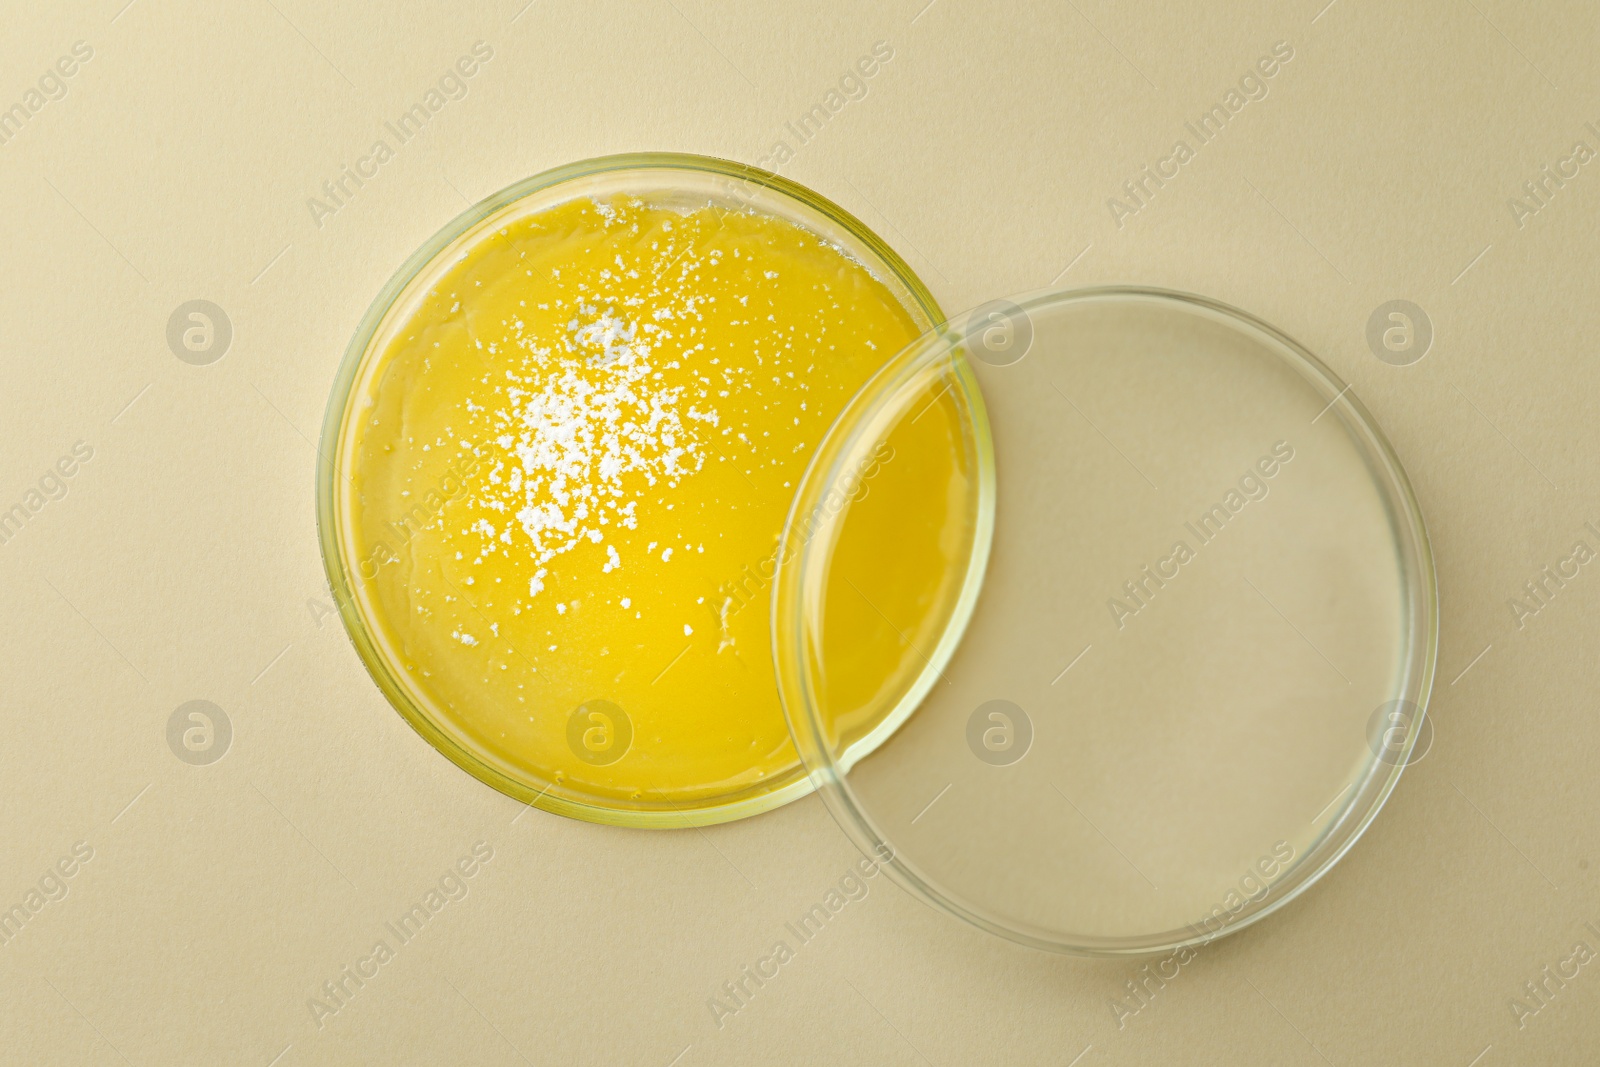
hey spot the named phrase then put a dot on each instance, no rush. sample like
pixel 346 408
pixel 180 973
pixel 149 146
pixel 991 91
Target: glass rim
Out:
pixel 331 532
pixel 792 612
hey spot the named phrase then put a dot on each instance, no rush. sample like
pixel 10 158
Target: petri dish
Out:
pixel 630 744
pixel 1188 648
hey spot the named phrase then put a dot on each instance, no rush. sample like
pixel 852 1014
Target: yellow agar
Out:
pixel 570 470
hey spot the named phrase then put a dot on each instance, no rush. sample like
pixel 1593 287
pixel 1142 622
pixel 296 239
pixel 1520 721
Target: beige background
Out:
pixel 182 563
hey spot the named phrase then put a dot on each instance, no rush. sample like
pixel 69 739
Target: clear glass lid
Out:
pixel 1186 631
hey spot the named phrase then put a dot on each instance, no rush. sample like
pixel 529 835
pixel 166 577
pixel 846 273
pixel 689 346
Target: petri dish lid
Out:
pixel 1186 632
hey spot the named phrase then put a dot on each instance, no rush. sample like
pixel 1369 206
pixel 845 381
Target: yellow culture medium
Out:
pixel 572 456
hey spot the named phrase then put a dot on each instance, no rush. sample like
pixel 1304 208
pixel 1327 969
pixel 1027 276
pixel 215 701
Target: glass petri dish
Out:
pixel 1190 646
pixel 662 180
